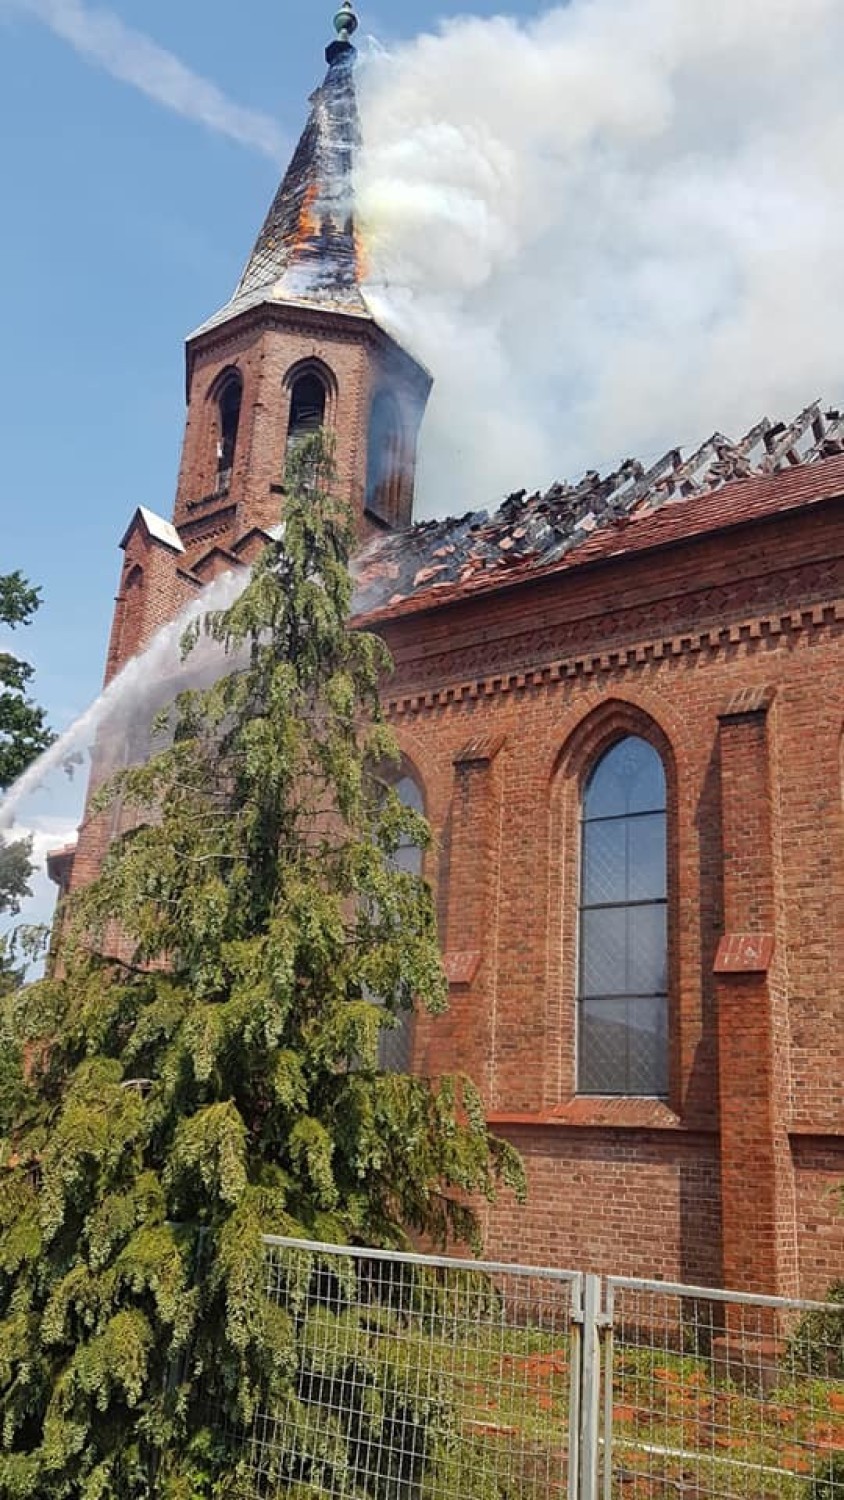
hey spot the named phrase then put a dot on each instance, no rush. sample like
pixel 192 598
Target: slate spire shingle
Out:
pixel 308 249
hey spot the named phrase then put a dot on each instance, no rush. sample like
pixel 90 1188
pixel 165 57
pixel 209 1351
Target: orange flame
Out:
pixel 307 227
pixel 362 262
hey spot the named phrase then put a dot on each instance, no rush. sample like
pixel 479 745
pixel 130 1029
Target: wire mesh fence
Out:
pixel 719 1395
pixel 416 1377
pixel 409 1377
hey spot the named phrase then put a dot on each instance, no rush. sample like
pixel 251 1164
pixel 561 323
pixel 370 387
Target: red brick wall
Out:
pixel 819 1175
pixel 627 1203
pixel 502 704
pixel 554 672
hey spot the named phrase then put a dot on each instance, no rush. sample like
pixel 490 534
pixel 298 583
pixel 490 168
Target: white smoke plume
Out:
pixel 128 55
pixel 608 230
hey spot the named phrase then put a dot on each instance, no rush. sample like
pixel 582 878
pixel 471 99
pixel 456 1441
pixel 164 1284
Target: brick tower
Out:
pixel 294 349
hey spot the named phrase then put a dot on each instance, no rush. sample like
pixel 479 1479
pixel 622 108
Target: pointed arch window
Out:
pixel 623 968
pixel 131 606
pixel 384 465
pixel 308 397
pixel 395 1046
pixel 229 401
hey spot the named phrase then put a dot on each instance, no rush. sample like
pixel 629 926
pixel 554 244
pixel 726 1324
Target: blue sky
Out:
pixel 124 225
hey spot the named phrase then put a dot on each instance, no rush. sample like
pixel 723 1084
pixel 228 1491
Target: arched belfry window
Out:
pixel 623 967
pixel 307 407
pixel 229 398
pixel 395 1047
pixel 384 463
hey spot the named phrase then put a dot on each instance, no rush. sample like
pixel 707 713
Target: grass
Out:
pixel 480 1389
pixel 680 1428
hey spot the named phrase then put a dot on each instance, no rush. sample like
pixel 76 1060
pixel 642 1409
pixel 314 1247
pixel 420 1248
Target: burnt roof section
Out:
pixel 307 251
pixel 774 467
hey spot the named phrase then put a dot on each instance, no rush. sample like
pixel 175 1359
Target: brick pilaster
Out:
pixel 467 1040
pixel 759 1234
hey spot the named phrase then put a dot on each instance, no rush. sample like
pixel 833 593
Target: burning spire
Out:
pixel 307 250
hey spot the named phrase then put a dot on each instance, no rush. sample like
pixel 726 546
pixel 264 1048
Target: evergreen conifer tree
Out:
pixel 205 1068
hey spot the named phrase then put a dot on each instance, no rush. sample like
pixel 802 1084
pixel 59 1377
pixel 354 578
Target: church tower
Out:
pixel 294 349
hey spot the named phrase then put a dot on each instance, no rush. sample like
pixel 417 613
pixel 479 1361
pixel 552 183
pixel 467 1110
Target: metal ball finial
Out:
pixel 345 22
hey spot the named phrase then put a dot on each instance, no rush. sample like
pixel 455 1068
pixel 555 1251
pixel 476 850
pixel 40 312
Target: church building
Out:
pixel 620 704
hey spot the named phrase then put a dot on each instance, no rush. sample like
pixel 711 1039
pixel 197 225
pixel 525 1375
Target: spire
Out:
pixel 307 250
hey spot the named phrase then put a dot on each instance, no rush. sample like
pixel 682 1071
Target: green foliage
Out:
pixel 817 1345
pixel 23 731
pixel 23 736
pixel 15 870
pixel 370 1391
pixel 206 1068
pixel 827 1483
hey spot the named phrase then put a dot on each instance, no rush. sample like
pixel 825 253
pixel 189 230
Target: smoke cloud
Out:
pixel 134 58
pixel 607 231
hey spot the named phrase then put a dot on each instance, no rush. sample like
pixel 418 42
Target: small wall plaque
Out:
pixel 461 966
pixel 744 953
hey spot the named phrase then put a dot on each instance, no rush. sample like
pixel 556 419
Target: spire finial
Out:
pixel 345 25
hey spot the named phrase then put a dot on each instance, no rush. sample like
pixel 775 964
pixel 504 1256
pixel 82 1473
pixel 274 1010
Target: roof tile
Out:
pixel 774 469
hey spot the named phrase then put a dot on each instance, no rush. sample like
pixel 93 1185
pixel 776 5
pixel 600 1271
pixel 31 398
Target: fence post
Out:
pixel 575 1384
pixel 607 1376
pixel 590 1389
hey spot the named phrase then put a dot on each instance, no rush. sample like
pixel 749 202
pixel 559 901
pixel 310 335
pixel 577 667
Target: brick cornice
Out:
pixel 545 617
pixel 215 523
pixel 290 318
pixel 334 325
pixel 744 634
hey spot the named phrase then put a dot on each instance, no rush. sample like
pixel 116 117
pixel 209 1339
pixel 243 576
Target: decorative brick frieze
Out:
pixel 643 653
pixel 201 528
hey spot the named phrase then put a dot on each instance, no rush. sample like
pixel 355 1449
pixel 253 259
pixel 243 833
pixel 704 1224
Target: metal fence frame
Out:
pixel 583 1408
pixel 773 1317
pixel 598 1341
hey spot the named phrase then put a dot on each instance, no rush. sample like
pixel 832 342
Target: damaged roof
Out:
pixel 307 251
pixel 775 467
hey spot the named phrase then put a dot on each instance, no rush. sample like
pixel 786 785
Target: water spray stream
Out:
pixel 139 683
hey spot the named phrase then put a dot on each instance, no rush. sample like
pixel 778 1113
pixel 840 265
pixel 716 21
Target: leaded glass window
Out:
pixel 395 1045
pixel 623 968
